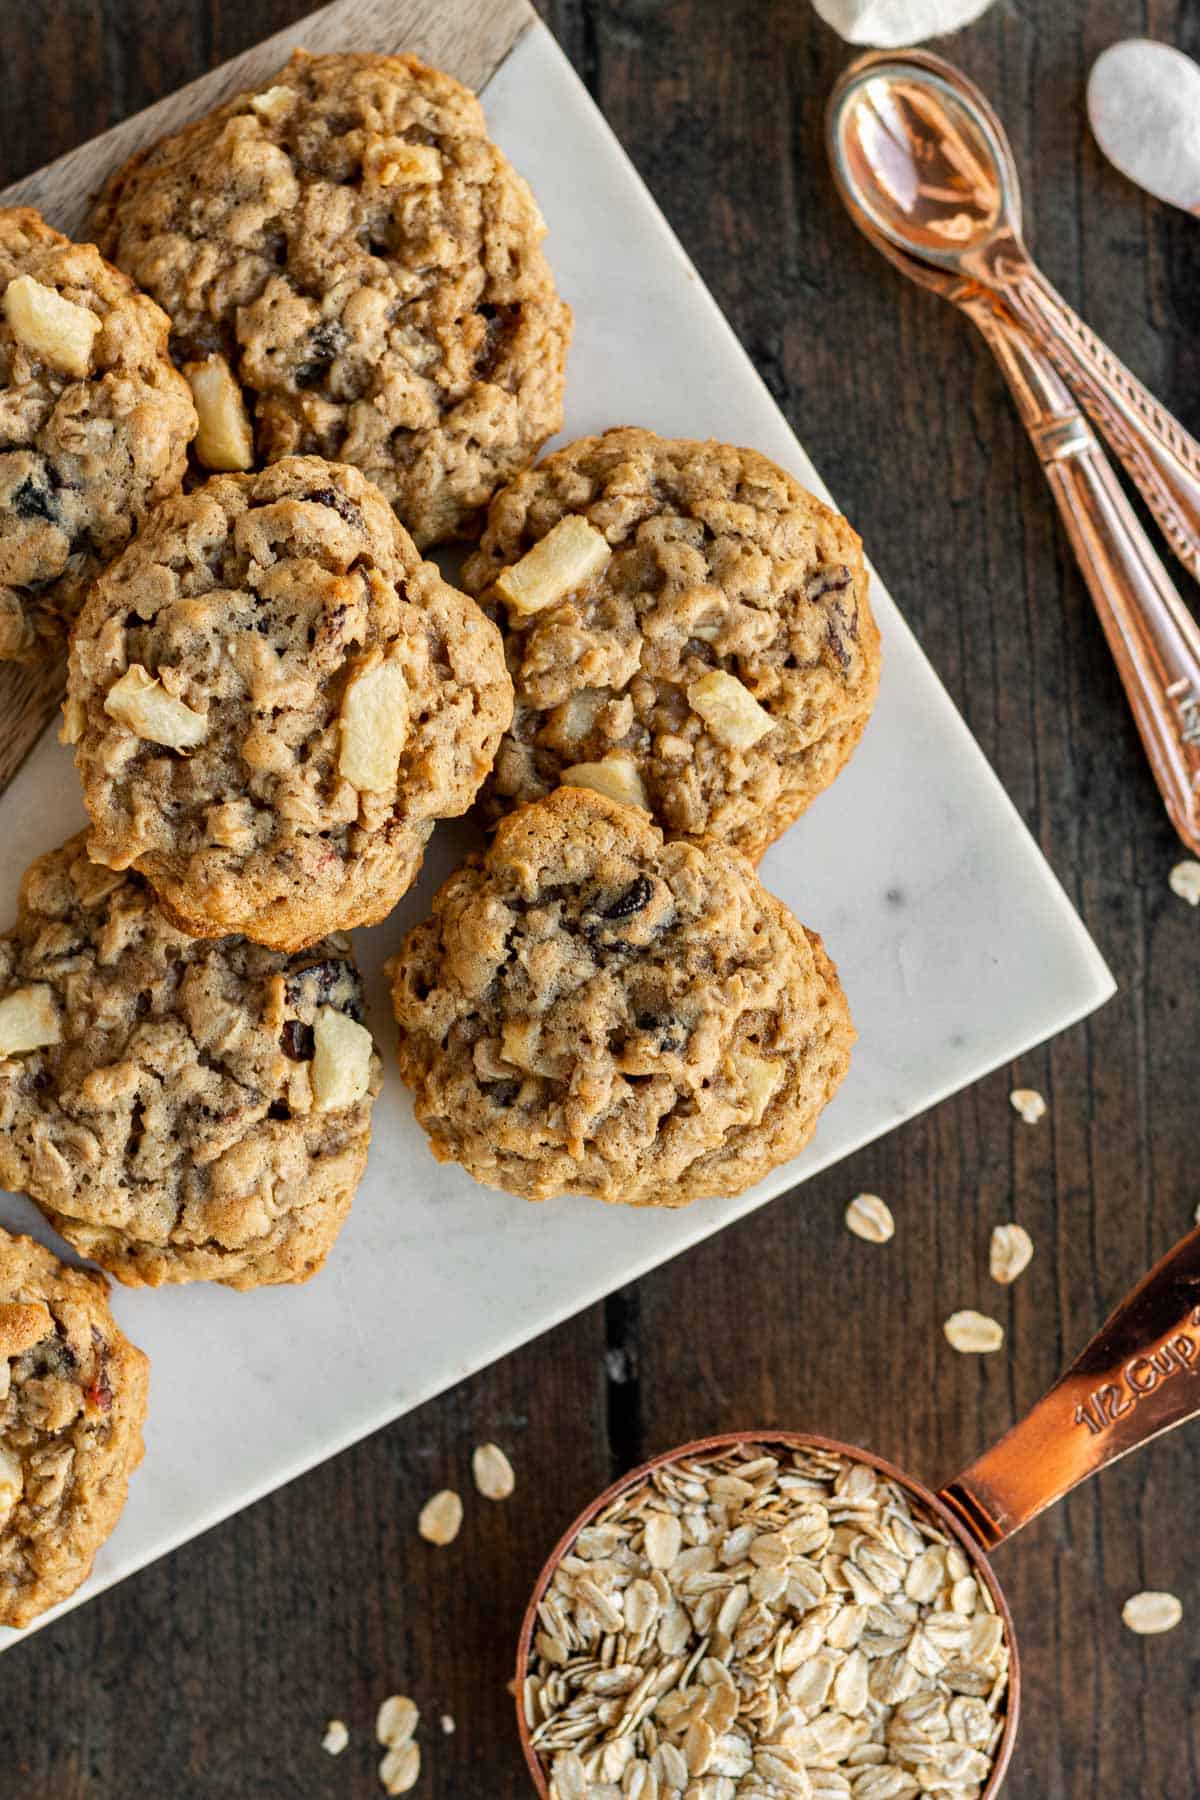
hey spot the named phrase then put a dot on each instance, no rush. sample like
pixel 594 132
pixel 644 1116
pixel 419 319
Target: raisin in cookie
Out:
pixel 591 1010
pixel 687 630
pixel 353 269
pixel 72 1402
pixel 272 698
pixel 181 1109
pixel 94 425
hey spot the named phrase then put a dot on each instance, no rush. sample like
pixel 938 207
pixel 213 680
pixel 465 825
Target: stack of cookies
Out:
pixel 316 335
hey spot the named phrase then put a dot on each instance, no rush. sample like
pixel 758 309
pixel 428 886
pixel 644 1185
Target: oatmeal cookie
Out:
pixel 349 245
pixel 687 629
pixel 182 1109
pixel 591 1010
pixel 72 1403
pixel 94 425
pixel 272 698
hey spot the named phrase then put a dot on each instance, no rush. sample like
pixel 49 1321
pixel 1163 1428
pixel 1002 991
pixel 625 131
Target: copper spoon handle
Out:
pixel 1139 1376
pixel 1162 459
pixel 1154 639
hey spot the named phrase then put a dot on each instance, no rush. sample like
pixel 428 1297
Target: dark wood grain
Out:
pixel 213 1673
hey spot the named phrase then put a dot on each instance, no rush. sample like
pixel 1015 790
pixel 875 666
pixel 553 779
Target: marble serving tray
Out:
pixel 957 947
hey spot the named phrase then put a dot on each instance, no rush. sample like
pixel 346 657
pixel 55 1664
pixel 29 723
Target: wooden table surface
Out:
pixel 213 1673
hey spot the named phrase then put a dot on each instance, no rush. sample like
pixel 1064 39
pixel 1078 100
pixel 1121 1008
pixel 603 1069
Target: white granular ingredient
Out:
pixel 493 1472
pixel 1029 1103
pixel 1185 881
pixel 973 1333
pixel 1149 1613
pixel 441 1518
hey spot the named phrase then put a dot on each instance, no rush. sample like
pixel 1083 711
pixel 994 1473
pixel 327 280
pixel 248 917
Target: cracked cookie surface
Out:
pixel 707 639
pixel 590 1010
pixel 272 699
pixel 94 425
pixel 366 262
pixel 180 1108
pixel 72 1402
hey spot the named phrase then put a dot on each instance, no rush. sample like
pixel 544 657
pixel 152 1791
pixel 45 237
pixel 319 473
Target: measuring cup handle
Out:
pixel 1139 1376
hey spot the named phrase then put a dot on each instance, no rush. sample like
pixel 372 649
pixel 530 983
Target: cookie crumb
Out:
pixel 396 1721
pixel 1184 880
pixel 400 1768
pixel 973 1333
pixel 493 1472
pixel 1029 1103
pixel 870 1218
pixel 441 1518
pixel 1149 1613
pixel 336 1737
pixel 448 1725
pixel 1011 1253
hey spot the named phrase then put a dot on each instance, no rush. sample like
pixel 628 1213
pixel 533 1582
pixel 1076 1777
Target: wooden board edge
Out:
pixel 470 39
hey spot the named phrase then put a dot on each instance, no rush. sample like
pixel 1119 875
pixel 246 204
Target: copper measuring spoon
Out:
pixel 1138 1377
pixel 928 176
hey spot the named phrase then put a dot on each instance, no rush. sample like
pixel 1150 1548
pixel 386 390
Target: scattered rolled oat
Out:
pixel 493 1472
pixel 1029 1103
pixel 396 1721
pixel 973 1333
pixel 1150 1613
pixel 441 1518
pixel 336 1737
pixel 400 1769
pixel 448 1725
pixel 815 1636
pixel 1011 1252
pixel 1184 880
pixel 869 1217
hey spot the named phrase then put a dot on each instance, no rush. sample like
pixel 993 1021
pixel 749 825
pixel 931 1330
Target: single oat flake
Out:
pixel 493 1472
pixel 973 1333
pixel 396 1721
pixel 1184 880
pixel 400 1769
pixel 336 1737
pixel 1149 1613
pixel 1029 1103
pixel 441 1518
pixel 1011 1252
pixel 869 1217
pixel 448 1725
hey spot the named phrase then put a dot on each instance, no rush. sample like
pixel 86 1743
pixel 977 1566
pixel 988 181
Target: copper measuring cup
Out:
pixel 1138 1377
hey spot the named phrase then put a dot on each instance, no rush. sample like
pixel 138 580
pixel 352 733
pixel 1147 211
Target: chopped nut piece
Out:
pixel 28 1020
pixel 869 1217
pixel 441 1518
pixel 973 1333
pixel 374 722
pixel 1149 1613
pixel 1011 1252
pixel 140 701
pixel 396 1721
pixel 394 163
pixel 761 1076
pixel 50 327
pixel 493 1472
pixel 569 555
pixel 1029 1103
pixel 341 1060
pixel 1184 880
pixel 729 710
pixel 336 1737
pixel 12 1481
pixel 74 719
pixel 274 105
pixel 400 1768
pixel 224 440
pixel 617 776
